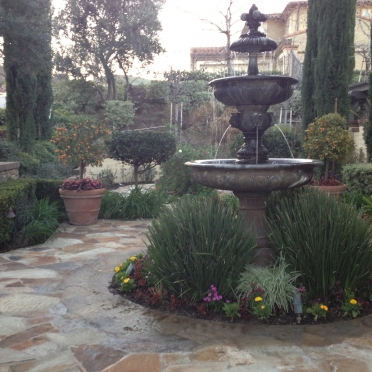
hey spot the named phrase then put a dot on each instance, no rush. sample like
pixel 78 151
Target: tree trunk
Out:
pixel 81 170
pixel 135 174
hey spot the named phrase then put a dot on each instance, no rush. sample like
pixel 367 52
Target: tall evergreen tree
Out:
pixel 26 29
pixel 311 53
pixel 329 58
pixel 367 133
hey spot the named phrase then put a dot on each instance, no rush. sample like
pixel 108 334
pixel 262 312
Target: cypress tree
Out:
pixel 26 29
pixel 311 53
pixel 367 133
pixel 329 58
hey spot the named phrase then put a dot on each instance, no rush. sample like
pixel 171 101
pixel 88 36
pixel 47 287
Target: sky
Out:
pixel 184 29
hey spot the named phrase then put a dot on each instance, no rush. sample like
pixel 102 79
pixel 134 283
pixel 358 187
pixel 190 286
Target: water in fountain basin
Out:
pixel 285 140
pixel 218 147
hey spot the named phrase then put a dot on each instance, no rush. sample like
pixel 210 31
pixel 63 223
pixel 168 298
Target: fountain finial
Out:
pixel 254 19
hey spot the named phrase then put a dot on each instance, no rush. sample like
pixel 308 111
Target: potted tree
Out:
pixel 328 139
pixel 81 141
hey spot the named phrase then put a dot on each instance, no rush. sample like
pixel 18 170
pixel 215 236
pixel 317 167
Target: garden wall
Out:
pixel 9 170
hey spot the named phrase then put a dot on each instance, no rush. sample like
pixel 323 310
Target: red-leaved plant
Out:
pixel 82 184
pixel 331 181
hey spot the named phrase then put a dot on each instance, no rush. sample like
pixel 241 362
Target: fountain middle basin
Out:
pixel 252 184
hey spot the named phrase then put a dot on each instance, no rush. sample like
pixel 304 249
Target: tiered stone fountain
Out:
pixel 253 176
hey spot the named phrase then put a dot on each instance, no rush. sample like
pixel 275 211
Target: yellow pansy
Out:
pixel 353 302
pixel 258 299
pixel 262 307
pixel 126 280
pixel 324 307
pixel 133 258
pixel 117 268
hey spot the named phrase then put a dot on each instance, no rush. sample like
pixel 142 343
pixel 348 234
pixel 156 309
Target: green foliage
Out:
pixel 119 114
pixel 275 143
pixel 231 201
pixel 107 177
pixel 15 194
pixel 352 308
pixel 232 310
pixel 78 96
pixel 317 311
pixel 40 222
pixel 176 176
pixel 102 33
pixel 196 242
pixel 48 188
pixel 324 240
pixel 277 282
pixel 138 204
pixel 328 139
pixel 26 30
pixel 329 58
pixel 358 178
pixel 142 149
pixel 367 132
pixel 261 311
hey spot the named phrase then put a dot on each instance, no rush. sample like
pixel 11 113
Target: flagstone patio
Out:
pixel 56 314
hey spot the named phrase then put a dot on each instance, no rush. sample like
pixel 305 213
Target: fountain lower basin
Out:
pixel 276 174
pixel 252 184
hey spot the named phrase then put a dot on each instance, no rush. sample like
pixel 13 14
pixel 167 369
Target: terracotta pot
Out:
pixel 335 191
pixel 82 207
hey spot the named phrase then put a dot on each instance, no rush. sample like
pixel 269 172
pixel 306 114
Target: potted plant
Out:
pixel 81 141
pixel 328 139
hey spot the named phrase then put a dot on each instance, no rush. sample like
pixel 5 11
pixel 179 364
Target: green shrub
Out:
pixel 196 243
pixel 15 194
pixel 324 240
pixel 277 282
pixel 176 176
pixel 142 149
pixel 231 201
pixel 48 188
pixel 138 204
pixel 275 143
pixel 358 177
pixel 40 222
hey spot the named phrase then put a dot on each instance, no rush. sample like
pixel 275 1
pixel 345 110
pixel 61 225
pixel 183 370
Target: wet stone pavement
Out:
pixel 57 315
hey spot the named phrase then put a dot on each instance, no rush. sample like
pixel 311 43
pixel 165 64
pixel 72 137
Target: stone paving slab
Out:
pixel 57 315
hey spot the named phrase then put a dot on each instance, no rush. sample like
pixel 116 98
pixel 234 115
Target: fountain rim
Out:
pixel 273 163
pixel 233 79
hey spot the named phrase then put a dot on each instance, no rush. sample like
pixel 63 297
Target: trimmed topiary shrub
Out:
pixel 358 177
pixel 142 149
pixel 325 240
pixel 196 243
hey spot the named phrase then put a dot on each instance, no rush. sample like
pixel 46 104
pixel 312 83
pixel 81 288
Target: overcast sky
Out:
pixel 183 28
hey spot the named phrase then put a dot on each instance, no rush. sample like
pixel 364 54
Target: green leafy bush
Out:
pixel 176 176
pixel 277 282
pixel 138 204
pixel 39 222
pixel 358 177
pixel 142 149
pixel 325 240
pixel 119 114
pixel 275 143
pixel 198 242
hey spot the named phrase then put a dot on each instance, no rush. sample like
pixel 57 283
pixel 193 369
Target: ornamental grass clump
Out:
pixel 197 242
pixel 324 240
pixel 328 139
pixel 276 282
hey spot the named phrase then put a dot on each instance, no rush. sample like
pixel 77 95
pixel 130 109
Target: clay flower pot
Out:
pixel 335 191
pixel 82 206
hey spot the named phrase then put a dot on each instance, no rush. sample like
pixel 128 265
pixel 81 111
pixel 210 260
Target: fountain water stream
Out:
pixel 253 176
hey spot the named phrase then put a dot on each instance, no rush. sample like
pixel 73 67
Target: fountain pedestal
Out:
pixel 252 207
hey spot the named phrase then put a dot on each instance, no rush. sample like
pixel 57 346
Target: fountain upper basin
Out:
pixel 253 89
pixel 277 174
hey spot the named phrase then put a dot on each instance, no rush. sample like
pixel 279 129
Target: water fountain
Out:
pixel 253 176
